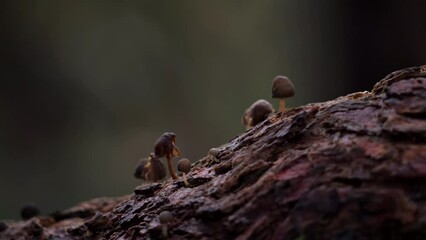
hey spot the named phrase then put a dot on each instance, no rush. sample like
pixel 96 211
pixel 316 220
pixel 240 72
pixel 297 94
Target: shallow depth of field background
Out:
pixel 88 86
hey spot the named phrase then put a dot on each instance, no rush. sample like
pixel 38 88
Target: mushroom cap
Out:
pixel 257 113
pixel 157 170
pixel 184 165
pixel 3 226
pixel 165 217
pixel 214 152
pixel 150 169
pixel 154 170
pixel 29 210
pixel 139 171
pixel 282 87
pixel 166 144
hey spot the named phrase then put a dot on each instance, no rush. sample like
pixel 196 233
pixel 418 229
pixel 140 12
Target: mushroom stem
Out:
pixel 171 170
pixel 282 105
pixel 185 180
pixel 164 228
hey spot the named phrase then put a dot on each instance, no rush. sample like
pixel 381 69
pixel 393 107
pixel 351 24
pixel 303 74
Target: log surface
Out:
pixel 350 168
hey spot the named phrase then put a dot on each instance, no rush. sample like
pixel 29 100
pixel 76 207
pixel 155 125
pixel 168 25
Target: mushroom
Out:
pixel 165 217
pixel 165 146
pixel 29 210
pixel 184 166
pixel 214 152
pixel 282 88
pixel 139 171
pixel 150 169
pixel 257 113
pixel 3 226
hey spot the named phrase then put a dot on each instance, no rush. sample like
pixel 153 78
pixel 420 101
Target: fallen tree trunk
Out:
pixel 351 168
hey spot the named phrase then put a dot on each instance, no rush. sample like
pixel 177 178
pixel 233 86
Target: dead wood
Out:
pixel 351 168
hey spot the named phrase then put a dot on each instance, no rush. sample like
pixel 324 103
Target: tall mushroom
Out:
pixel 165 146
pixel 282 88
pixel 257 113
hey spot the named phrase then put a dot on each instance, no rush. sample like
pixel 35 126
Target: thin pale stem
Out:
pixel 164 228
pixel 185 180
pixel 282 105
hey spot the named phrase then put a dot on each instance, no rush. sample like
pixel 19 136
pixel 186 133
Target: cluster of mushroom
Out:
pixel 259 111
pixel 152 168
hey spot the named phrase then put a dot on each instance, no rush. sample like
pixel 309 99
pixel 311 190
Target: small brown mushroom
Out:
pixel 29 210
pixel 140 168
pixel 3 226
pixel 150 169
pixel 214 153
pixel 165 146
pixel 184 166
pixel 257 113
pixel 156 170
pixel 165 217
pixel 282 88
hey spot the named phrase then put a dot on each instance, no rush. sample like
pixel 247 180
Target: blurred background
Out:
pixel 88 86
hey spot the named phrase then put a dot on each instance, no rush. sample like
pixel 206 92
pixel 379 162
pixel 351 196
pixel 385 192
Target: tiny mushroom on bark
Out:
pixel 150 169
pixel 257 113
pixel 282 88
pixel 214 152
pixel 165 217
pixel 29 210
pixel 165 146
pixel 139 171
pixel 184 166
pixel 3 226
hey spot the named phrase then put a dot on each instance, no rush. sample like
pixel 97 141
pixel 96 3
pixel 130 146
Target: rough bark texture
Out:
pixel 351 168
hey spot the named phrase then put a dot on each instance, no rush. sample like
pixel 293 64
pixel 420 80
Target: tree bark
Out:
pixel 350 168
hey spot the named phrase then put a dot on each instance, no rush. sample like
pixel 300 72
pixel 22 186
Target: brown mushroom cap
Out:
pixel 157 171
pixel 214 152
pixel 3 226
pixel 139 171
pixel 166 144
pixel 184 165
pixel 150 169
pixel 165 217
pixel 29 210
pixel 257 112
pixel 282 87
